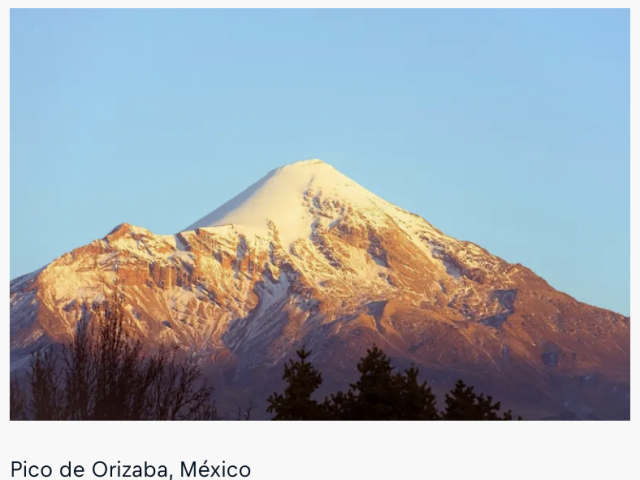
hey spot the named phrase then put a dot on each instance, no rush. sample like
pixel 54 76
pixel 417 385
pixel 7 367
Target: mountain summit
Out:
pixel 281 200
pixel 306 256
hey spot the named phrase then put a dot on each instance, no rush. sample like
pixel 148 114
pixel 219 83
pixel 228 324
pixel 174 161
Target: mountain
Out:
pixel 306 256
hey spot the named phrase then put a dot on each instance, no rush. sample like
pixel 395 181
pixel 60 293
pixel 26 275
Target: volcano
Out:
pixel 306 256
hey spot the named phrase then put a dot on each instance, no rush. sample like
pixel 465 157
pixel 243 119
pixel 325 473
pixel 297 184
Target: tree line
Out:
pixel 103 373
pixel 381 393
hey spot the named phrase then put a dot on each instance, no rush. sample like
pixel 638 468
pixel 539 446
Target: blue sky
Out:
pixel 508 128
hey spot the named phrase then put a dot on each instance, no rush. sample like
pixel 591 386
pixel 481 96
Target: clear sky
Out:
pixel 508 128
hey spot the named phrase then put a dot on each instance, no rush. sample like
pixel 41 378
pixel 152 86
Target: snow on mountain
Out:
pixel 286 197
pixel 307 256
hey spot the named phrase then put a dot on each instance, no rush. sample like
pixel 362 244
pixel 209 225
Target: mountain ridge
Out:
pixel 306 255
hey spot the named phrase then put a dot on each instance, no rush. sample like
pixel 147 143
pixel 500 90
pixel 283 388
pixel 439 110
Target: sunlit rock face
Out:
pixel 306 256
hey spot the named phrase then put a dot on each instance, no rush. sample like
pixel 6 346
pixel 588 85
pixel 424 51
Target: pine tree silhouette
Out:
pixel 464 404
pixel 379 394
pixel 382 394
pixel 296 403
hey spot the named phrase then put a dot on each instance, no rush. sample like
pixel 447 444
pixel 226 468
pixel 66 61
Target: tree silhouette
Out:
pixel 17 400
pixel 103 374
pixel 380 393
pixel 296 402
pixel 464 404
pixel 45 393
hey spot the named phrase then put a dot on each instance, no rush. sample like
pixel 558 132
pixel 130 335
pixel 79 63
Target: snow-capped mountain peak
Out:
pixel 306 256
pixel 286 197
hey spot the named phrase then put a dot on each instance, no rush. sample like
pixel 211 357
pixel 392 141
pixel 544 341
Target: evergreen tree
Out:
pixel 375 394
pixel 382 394
pixel 464 404
pixel 379 394
pixel 296 403
pixel 418 401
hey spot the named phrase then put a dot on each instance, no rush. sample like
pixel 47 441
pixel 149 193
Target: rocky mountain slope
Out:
pixel 307 256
